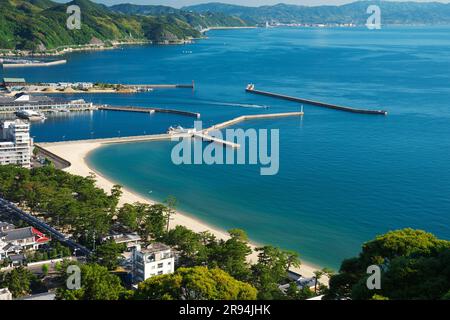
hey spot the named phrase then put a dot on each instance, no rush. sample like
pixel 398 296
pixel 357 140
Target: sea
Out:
pixel 343 178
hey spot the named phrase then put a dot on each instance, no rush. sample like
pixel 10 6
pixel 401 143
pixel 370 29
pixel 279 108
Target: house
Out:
pixel 13 242
pixel 129 239
pixel 155 259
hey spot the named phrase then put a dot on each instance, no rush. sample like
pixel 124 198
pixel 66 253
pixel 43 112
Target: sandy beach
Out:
pixel 76 153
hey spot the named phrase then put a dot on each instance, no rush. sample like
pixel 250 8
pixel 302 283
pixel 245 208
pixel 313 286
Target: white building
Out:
pixel 154 260
pixel 15 143
pixel 5 294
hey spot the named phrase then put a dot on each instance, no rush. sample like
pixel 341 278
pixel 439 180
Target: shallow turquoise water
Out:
pixel 343 177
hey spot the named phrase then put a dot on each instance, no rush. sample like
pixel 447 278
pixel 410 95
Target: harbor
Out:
pixel 21 85
pixel 251 89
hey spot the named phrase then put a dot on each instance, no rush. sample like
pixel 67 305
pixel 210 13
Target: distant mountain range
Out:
pixel 405 13
pixel 40 25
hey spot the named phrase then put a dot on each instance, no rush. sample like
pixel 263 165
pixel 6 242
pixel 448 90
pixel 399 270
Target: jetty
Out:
pixel 148 110
pixel 158 86
pixel 8 64
pixel 253 117
pixel 206 137
pixel 251 89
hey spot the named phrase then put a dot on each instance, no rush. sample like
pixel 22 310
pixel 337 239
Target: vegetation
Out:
pixel 271 269
pixel 70 202
pixel 414 265
pixel 96 284
pixel 197 283
pixel 41 25
pixel 392 13
pixel 19 281
pixel 108 254
pixel 54 250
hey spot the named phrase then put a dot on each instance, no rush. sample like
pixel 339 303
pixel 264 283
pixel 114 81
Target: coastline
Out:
pixel 77 153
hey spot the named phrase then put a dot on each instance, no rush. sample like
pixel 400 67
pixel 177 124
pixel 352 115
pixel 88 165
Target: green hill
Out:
pixel 197 20
pixel 40 25
pixel 406 13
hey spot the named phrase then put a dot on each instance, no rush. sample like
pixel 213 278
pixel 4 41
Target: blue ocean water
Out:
pixel 343 178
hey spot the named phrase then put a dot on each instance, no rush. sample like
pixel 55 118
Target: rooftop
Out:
pixel 18 234
pixel 21 80
pixel 6 225
pixel 155 247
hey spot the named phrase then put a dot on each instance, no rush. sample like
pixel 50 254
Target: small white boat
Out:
pixel 180 129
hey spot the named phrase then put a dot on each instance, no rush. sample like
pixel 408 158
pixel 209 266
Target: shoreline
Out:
pixel 77 153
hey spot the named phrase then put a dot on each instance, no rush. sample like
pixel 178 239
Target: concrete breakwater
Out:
pixel 253 117
pixel 149 110
pixel 159 86
pixel 34 64
pixel 251 89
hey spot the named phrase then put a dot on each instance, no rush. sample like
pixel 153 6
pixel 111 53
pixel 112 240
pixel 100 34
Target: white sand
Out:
pixel 76 153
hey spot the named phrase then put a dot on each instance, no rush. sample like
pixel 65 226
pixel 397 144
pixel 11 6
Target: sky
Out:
pixel 180 3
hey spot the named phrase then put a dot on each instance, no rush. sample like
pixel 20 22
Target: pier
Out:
pixel 206 137
pixel 253 117
pixel 9 63
pixel 149 110
pixel 159 86
pixel 251 89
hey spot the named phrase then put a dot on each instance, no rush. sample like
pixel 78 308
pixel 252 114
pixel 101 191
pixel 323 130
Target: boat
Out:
pixel 180 129
pixel 30 115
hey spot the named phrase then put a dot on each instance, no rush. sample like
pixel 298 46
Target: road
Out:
pixel 9 208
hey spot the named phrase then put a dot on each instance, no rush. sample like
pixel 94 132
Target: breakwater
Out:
pixel 251 89
pixel 34 64
pixel 149 110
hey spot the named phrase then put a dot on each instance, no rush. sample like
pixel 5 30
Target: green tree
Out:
pixel 96 284
pixel 295 293
pixel 198 283
pixel 45 269
pixel 108 254
pixel 18 281
pixel 270 270
pixel 413 263
pixel 190 245
pixel 171 203
pixel 231 255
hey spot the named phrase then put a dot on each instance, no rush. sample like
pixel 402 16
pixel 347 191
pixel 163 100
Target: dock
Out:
pixel 253 117
pixel 9 64
pixel 149 110
pixel 206 137
pixel 159 86
pixel 251 89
